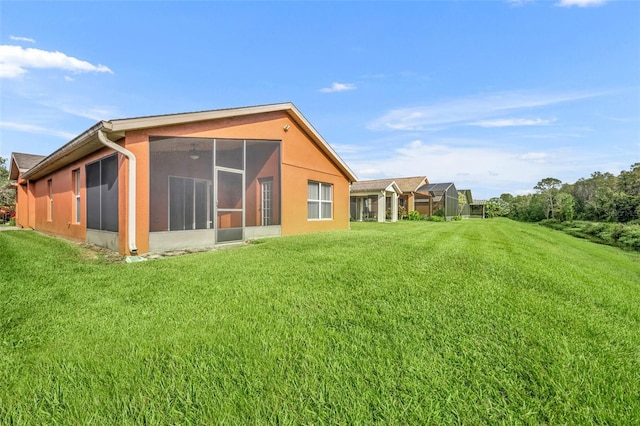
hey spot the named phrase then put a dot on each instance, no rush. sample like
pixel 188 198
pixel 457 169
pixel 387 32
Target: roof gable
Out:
pixel 21 163
pixel 411 184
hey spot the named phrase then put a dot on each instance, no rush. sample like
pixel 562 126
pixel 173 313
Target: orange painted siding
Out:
pixel 301 161
pixel 62 221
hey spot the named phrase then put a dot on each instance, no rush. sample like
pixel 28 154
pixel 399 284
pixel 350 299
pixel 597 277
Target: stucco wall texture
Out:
pixel 302 160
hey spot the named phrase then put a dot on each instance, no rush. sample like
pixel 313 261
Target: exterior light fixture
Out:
pixel 193 154
pixel 286 127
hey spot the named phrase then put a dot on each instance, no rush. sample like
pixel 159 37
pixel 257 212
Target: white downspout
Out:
pixel 131 211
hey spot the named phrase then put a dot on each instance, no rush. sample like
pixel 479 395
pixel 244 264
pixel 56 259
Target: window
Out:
pixel 266 204
pixel 102 194
pixel 76 195
pixel 50 200
pixel 319 200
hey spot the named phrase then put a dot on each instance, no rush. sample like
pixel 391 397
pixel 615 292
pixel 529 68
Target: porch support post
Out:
pixel 394 206
pixel 382 203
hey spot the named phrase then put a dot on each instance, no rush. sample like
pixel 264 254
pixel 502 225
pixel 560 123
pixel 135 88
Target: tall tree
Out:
pixel 548 187
pixel 7 194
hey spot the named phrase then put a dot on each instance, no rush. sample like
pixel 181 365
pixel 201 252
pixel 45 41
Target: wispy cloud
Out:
pixel 494 169
pixel 36 129
pixel 338 87
pixel 518 2
pixel 18 38
pixel 533 156
pixel 580 3
pixel 15 60
pixel 470 110
pixel 512 122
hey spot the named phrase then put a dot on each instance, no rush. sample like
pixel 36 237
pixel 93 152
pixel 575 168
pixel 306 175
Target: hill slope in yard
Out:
pixel 479 321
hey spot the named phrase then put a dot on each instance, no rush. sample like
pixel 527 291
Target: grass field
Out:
pixel 472 322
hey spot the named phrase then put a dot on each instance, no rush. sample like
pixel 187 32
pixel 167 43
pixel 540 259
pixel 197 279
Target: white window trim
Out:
pixel 50 200
pixel 76 199
pixel 320 201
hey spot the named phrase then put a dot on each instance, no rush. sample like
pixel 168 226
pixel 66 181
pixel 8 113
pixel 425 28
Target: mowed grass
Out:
pixel 472 322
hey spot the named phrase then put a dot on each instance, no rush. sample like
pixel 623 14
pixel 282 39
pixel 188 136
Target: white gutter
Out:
pixel 131 210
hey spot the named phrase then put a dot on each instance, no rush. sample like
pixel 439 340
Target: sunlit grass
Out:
pixel 423 323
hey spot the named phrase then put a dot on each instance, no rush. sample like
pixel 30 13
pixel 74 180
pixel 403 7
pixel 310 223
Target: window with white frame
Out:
pixel 319 201
pixel 50 200
pixel 76 195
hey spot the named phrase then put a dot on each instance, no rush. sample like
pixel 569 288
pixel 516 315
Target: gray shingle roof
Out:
pixel 371 185
pixel 23 162
pixel 436 187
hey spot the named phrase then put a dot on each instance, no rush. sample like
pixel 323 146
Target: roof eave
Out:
pixel 82 145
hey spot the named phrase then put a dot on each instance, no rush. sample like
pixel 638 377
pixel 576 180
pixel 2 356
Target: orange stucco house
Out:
pixel 175 181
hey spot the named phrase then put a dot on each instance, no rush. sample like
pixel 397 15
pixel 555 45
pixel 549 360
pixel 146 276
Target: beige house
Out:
pixel 374 200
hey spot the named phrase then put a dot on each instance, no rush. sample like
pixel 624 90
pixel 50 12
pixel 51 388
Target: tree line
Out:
pixel 602 197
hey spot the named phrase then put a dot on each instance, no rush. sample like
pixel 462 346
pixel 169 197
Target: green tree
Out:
pixel 7 194
pixel 462 201
pixel 497 207
pixel 548 188
pixel 629 181
pixel 565 207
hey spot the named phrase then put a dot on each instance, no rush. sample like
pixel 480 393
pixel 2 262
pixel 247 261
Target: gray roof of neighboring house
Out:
pixel 374 186
pixel 436 187
pixel 371 185
pixel 20 163
pixel 479 202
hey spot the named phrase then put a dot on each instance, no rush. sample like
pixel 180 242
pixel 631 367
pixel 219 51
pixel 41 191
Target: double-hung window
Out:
pixel 50 200
pixel 76 195
pixel 319 201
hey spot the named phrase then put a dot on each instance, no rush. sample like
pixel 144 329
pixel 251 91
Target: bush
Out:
pixel 12 221
pixel 614 234
pixel 456 218
pixel 437 219
pixel 414 215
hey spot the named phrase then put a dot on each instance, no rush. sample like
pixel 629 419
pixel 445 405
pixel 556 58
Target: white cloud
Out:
pixel 534 156
pixel 469 110
pixel 487 171
pixel 518 2
pixel 40 130
pixel 512 122
pixel 15 60
pixel 27 39
pixel 338 87
pixel 580 3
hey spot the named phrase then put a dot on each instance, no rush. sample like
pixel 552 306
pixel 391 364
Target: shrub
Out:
pixel 437 219
pixel 456 218
pixel 414 215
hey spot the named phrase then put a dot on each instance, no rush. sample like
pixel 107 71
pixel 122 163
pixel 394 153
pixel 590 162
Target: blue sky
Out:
pixel 492 95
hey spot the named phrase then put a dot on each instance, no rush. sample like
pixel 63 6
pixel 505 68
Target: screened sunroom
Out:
pixel 205 191
pixel 374 200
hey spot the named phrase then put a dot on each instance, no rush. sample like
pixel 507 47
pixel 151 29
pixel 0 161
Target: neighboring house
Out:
pixel 464 202
pixel 20 164
pixel 478 209
pixel 5 214
pixel 439 199
pixel 374 200
pixel 185 180
pixel 409 187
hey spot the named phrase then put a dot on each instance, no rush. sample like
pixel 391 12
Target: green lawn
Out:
pixel 472 322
